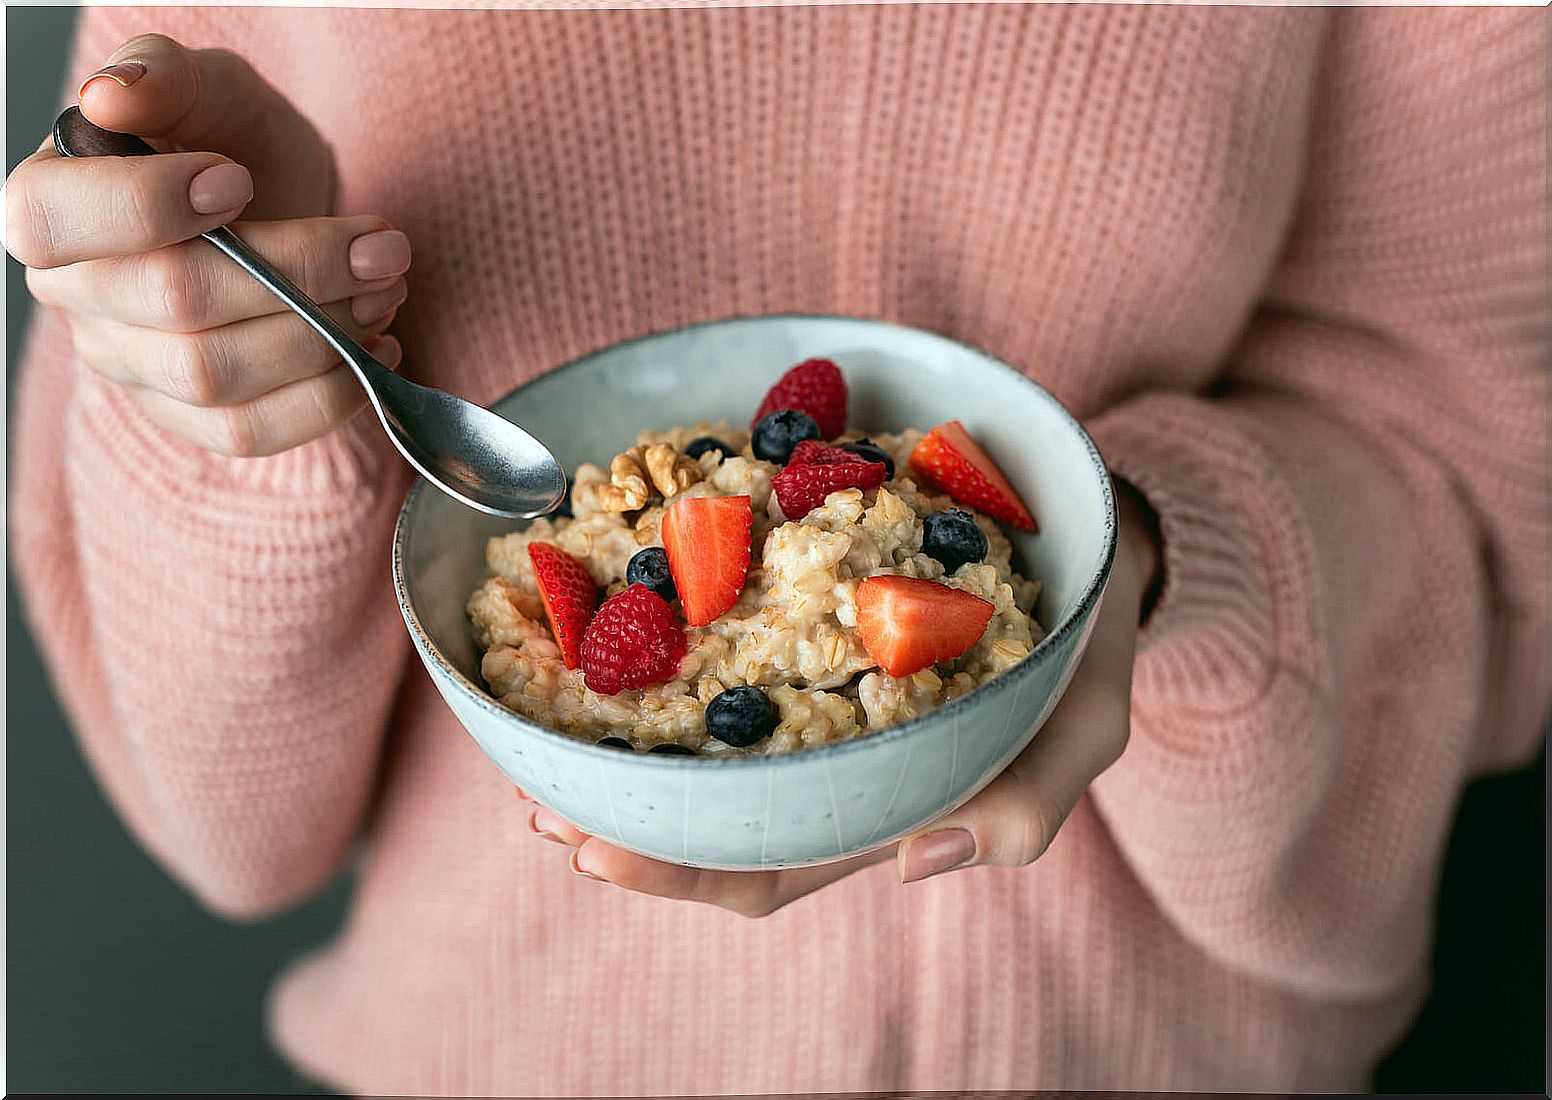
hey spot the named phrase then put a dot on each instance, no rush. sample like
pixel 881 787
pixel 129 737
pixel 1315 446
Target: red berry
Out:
pixel 633 641
pixel 907 623
pixel 811 452
pixel 817 471
pixel 707 540
pixel 949 460
pixel 569 596
pixel 815 387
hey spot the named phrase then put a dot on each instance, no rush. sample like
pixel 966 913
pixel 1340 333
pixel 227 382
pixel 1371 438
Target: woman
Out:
pixel 1288 266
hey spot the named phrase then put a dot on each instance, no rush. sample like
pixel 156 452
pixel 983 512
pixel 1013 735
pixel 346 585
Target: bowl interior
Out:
pixel 898 377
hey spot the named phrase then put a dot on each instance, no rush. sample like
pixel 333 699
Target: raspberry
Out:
pixel 633 641
pixel 815 387
pixel 811 452
pixel 816 471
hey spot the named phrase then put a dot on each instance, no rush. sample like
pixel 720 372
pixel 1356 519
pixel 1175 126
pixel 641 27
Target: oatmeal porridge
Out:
pixel 726 590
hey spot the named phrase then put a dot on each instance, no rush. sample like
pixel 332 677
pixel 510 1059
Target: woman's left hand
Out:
pixel 1009 823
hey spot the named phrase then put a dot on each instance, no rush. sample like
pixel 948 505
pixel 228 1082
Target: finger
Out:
pixel 288 417
pixel 192 286
pixel 550 825
pixel 749 893
pixel 214 100
pixel 229 365
pixel 62 210
pixel 1013 820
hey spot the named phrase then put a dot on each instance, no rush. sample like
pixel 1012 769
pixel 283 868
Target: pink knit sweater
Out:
pixel 1288 265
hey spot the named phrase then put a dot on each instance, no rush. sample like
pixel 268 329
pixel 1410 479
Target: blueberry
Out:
pixel 778 432
pixel 650 567
pixel 617 743
pixel 697 447
pixel 741 716
pixel 873 453
pixel 668 748
pixel 953 538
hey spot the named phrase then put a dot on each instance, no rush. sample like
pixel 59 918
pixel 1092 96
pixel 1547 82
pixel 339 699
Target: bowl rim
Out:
pixel 1093 589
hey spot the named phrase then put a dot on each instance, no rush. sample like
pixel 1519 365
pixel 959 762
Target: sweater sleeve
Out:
pixel 1355 611
pixel 222 632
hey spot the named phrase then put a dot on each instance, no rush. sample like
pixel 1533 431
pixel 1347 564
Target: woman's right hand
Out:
pixel 112 243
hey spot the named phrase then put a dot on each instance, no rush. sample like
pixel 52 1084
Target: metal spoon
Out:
pixel 470 453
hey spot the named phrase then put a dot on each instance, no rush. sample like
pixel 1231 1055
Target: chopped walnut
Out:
pixel 646 471
pixel 671 471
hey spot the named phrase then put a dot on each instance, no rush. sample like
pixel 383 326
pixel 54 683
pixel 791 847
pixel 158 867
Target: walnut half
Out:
pixel 646 471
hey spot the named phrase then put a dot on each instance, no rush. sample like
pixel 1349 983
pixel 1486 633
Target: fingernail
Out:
pixel 368 309
pixel 223 187
pixel 577 867
pixel 386 350
pixel 545 824
pixel 122 73
pixel 935 853
pixel 378 255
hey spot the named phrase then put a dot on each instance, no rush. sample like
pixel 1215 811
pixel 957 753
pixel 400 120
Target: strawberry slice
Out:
pixel 907 623
pixel 569 596
pixel 707 539
pixel 816 470
pixel 815 387
pixel 947 459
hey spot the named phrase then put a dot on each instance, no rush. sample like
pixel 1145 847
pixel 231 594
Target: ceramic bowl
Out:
pixel 820 804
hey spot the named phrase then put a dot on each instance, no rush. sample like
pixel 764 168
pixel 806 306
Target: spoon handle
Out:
pixel 76 136
pixel 358 357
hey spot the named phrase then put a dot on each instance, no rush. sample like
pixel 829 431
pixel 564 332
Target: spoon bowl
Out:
pixel 473 455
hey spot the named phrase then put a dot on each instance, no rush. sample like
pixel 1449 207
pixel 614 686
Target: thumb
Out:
pixel 214 101
pixel 1010 823
pixel 1014 818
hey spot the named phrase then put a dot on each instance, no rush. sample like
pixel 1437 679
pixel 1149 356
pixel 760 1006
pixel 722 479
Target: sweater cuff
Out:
pixel 1236 595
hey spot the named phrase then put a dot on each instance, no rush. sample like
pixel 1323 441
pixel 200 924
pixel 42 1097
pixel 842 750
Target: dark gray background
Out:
pixel 117 982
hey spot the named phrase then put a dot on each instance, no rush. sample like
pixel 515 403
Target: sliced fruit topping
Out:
pixel 949 460
pixel 650 567
pixel 815 387
pixel 873 453
pixel 741 716
pixel 775 434
pixel 701 444
pixel 907 624
pixel 707 541
pixel 569 596
pixel 634 641
pixel 616 743
pixel 816 471
pixel 669 748
pixel 952 537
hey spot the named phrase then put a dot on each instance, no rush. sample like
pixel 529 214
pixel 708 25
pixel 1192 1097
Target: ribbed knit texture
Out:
pixel 1290 267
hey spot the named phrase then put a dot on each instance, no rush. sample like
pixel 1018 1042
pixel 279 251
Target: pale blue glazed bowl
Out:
pixel 821 804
